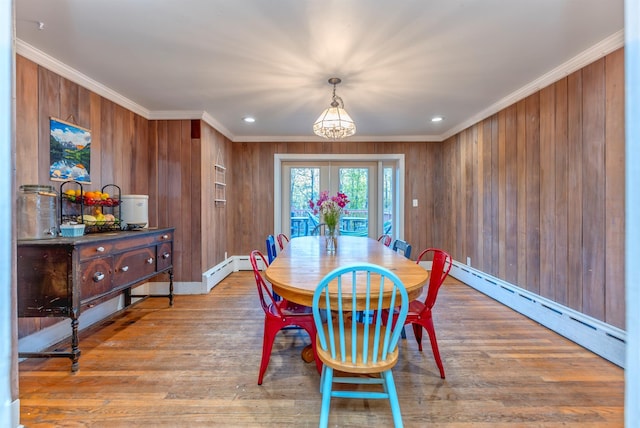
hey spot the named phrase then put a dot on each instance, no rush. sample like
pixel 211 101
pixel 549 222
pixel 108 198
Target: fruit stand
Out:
pixel 98 210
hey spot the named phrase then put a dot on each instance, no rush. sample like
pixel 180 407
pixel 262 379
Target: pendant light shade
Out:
pixel 334 123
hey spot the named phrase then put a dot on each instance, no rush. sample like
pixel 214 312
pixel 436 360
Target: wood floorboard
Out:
pixel 196 365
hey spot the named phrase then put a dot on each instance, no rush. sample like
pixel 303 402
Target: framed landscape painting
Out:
pixel 69 152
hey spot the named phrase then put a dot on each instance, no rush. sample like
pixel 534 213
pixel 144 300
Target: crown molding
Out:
pixel 594 53
pixel 207 118
pixel 175 115
pixel 50 63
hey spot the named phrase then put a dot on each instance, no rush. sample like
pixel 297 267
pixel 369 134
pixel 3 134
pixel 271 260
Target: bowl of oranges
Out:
pixel 90 198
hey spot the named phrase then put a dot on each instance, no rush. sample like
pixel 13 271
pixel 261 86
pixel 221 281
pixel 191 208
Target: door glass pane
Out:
pixel 387 200
pixel 305 186
pixel 354 182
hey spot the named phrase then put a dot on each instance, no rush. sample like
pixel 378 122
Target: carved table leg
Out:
pixel 75 350
pixel 170 287
pixel 127 297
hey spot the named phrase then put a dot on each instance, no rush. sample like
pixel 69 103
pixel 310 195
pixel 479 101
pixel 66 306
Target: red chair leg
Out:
pixel 267 343
pixel 434 344
pixel 417 332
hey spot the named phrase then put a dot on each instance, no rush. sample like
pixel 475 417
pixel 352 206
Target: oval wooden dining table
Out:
pixel 299 268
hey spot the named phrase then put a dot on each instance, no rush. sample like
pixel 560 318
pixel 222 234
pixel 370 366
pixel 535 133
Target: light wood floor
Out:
pixel 196 365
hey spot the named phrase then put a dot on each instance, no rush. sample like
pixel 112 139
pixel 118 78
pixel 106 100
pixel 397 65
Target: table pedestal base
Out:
pixel 307 354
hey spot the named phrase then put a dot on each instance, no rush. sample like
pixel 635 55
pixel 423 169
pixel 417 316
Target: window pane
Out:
pixel 305 186
pixel 354 182
pixel 387 201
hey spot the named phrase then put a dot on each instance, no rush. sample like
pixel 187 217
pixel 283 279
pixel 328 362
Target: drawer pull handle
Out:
pixel 98 276
pixel 150 260
pixel 165 236
pixel 100 249
pixel 166 256
pixel 124 268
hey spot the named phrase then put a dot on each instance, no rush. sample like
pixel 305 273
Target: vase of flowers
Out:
pixel 330 208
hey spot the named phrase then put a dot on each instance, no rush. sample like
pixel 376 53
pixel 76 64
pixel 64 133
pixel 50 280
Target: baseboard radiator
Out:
pixel 600 338
pixel 219 272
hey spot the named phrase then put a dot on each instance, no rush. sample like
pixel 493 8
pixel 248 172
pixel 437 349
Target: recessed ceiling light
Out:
pixel 249 119
pixel 437 119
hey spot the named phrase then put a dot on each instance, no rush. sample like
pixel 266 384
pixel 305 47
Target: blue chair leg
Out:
pixel 327 381
pixel 393 398
pixel 324 369
pixel 403 334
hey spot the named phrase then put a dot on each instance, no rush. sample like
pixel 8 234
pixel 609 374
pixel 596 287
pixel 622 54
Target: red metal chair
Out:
pixel 419 315
pixel 282 238
pixel 385 239
pixel 279 314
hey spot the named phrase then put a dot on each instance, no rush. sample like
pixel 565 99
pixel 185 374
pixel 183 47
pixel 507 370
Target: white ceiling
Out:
pixel 401 61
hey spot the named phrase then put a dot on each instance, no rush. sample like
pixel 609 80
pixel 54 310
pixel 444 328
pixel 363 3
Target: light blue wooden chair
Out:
pixel 357 348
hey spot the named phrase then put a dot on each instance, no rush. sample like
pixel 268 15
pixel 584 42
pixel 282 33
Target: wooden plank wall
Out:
pixel 216 227
pixel 175 166
pixel 539 194
pixel 118 136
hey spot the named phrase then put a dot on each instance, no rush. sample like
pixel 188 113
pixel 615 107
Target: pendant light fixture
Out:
pixel 334 123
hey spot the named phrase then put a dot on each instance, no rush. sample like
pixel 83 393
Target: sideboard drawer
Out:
pixel 95 250
pixel 135 241
pixel 164 237
pixel 165 255
pixel 133 265
pixel 96 278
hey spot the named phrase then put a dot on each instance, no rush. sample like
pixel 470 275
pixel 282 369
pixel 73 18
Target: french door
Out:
pixel 369 185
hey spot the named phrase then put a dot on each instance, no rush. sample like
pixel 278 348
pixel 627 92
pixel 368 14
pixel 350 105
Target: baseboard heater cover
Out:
pixel 213 276
pixel 600 338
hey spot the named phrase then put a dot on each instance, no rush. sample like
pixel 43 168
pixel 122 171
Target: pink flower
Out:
pixel 330 207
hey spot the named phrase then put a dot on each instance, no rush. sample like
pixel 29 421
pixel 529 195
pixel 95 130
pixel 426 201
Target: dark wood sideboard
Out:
pixel 61 277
